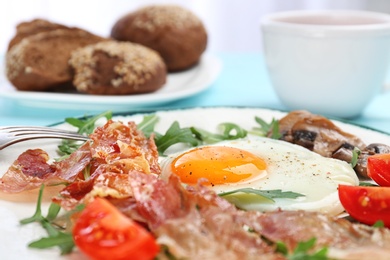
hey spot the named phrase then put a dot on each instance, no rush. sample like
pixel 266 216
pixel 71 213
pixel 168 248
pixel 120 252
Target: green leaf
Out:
pixel 232 131
pixel 54 209
pixel 281 248
pixel 85 126
pixel 175 135
pixel 367 184
pixel 268 194
pixel 56 238
pixel 63 240
pixel 275 129
pixel 205 136
pixel 355 156
pixel 37 217
pixel 148 123
pixel 305 246
pixel 379 224
pixel 266 128
pixel 229 131
pixel 303 251
pixel 67 147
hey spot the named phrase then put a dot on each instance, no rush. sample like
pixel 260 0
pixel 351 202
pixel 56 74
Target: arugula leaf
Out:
pixel 281 248
pixel 56 238
pixel 192 136
pixel 379 224
pixel 37 216
pixel 302 251
pixel 267 194
pixel 85 126
pixel 147 124
pixel 275 130
pixel 67 147
pixel 355 155
pixel 367 184
pixel 230 131
pixel 265 128
pixel 53 211
pixel 174 135
pixel 64 240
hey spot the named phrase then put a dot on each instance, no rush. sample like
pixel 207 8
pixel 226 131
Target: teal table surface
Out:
pixel 243 82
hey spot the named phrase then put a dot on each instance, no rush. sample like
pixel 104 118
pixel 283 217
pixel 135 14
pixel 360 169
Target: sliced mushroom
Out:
pixel 344 153
pixel 316 133
pixel 322 136
pixel 375 148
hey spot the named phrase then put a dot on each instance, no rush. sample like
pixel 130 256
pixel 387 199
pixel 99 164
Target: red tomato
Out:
pixel 378 169
pixel 103 232
pixel 366 204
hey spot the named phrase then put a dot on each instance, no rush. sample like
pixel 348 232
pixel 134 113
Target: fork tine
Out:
pixel 14 129
pixel 15 134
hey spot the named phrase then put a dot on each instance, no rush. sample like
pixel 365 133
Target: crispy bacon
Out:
pixel 344 239
pixel 70 168
pixel 116 142
pixel 158 200
pixel 28 171
pixel 115 148
pixel 197 224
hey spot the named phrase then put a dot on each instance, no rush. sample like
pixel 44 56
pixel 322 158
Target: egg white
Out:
pixel 289 168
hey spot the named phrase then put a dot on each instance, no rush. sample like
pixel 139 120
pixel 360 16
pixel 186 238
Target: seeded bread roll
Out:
pixel 35 26
pixel 117 68
pixel 40 61
pixel 176 33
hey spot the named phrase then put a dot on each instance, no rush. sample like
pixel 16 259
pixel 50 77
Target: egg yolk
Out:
pixel 218 164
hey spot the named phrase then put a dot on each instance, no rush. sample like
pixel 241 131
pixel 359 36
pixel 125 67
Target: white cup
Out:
pixel 328 62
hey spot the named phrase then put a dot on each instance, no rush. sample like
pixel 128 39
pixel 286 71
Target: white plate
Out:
pixel 179 85
pixel 14 238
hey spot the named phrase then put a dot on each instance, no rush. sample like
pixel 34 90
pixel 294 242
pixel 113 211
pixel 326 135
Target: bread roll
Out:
pixel 40 61
pixel 176 33
pixel 117 68
pixel 32 27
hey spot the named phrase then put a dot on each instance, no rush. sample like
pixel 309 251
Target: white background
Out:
pixel 233 25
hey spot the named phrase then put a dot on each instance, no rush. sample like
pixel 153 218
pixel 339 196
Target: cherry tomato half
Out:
pixel 366 204
pixel 103 232
pixel 378 169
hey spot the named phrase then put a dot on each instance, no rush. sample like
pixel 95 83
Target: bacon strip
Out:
pixel 116 142
pixel 28 171
pixel 344 239
pixel 70 168
pixel 197 224
pixel 115 148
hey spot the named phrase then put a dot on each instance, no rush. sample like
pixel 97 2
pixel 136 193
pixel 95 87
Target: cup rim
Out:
pixel 276 21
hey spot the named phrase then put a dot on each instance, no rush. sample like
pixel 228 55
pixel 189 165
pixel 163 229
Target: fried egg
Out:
pixel 264 164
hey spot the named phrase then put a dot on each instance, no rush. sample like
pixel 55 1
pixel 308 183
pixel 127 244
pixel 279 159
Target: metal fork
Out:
pixel 10 135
